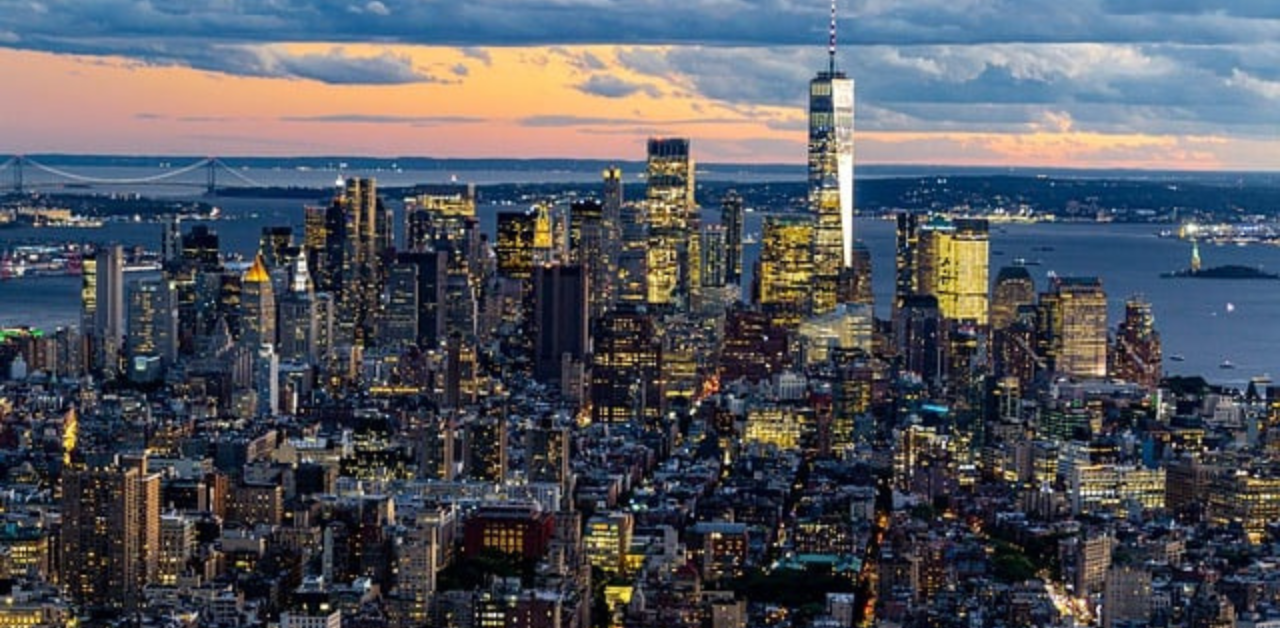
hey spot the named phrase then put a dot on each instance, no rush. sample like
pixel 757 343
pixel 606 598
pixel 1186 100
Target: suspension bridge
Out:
pixel 29 175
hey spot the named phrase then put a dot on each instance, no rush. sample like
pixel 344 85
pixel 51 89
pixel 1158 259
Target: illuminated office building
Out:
pixel 1014 289
pixel 486 448
pixel 589 247
pixel 672 220
pixel 89 296
pixel 920 337
pixel 786 268
pixel 358 236
pixel 300 320
pixel 831 158
pixel 153 322
pixel 951 264
pixel 906 245
pixel 1136 356
pixel 440 219
pixel 611 223
pixel 258 306
pixel 515 244
pixel 276 246
pixel 1073 327
pixel 200 249
pixel 715 256
pixel 400 325
pixel 548 448
pixel 732 219
pixel 626 381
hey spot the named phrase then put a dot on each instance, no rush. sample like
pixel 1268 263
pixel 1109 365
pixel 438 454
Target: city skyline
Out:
pixel 1093 84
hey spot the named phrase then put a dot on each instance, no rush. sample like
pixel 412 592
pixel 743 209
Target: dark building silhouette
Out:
pixel 560 318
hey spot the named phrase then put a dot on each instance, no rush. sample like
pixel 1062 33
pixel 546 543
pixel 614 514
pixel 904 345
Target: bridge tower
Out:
pixel 211 185
pixel 18 176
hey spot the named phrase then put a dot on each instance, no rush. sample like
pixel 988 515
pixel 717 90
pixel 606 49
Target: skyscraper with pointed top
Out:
pixel 831 176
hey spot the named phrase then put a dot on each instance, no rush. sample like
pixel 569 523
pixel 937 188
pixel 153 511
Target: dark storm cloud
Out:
pixel 614 87
pixel 1137 65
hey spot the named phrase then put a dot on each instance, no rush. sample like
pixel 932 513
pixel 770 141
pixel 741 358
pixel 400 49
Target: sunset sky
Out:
pixel 1170 84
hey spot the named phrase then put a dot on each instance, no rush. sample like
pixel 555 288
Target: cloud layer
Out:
pixel 1171 67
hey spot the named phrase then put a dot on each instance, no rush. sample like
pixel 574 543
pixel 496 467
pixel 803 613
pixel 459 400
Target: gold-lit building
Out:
pixel 672 218
pixel 781 426
pixel 1248 498
pixel 607 539
pixel 258 306
pixel 952 263
pixel 786 268
pixel 515 244
pixel 1073 327
pixel 1014 288
pixel 439 218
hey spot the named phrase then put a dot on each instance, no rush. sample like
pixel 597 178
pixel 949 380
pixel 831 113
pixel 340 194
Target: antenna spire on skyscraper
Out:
pixel 831 43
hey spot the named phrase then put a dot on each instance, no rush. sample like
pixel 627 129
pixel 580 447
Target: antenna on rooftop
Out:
pixel 831 42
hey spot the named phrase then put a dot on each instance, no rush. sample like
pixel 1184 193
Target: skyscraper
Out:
pixel 109 313
pixel 400 325
pixel 951 264
pixel 672 220
pixel 560 318
pixel 153 321
pixel 625 376
pixel 1073 327
pixel 1136 355
pixel 359 233
pixel 1014 288
pixel 731 218
pixel 300 322
pixel 110 532
pixel 437 219
pixel 906 243
pixel 831 155
pixel 786 269
pixel 515 244
pixel 258 306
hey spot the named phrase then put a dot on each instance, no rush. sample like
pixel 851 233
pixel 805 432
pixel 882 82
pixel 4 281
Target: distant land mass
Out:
pixel 1063 194
pixel 1229 271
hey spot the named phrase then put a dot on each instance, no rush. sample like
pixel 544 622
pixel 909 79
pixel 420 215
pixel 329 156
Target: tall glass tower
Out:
pixel 831 176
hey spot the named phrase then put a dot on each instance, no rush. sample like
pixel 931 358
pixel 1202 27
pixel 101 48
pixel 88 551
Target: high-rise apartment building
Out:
pixel 110 532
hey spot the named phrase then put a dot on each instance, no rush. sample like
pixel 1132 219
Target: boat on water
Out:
pixel 1177 357
pixel 1226 364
